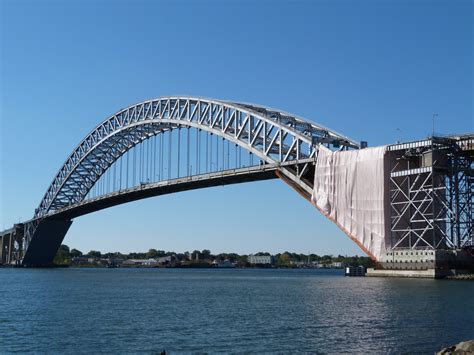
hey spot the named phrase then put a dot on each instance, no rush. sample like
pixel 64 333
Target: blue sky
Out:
pixel 372 70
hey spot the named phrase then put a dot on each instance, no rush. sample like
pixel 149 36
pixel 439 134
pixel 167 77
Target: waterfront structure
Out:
pixel 80 260
pixel 165 259
pixel 355 271
pixel 431 199
pixel 260 259
pixel 299 264
pixel 225 264
pixel 422 191
pixel 140 262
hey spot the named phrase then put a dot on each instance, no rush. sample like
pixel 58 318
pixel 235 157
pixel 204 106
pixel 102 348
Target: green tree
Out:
pixel 94 254
pixel 64 248
pixel 283 260
pixel 205 254
pixel 152 253
pixel 74 253
pixel 62 256
pixel 136 256
pixel 326 259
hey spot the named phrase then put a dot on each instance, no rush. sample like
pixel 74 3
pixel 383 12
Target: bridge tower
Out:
pixel 10 240
pixel 431 187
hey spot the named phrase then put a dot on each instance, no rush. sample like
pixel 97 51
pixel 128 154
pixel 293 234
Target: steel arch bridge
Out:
pixel 167 145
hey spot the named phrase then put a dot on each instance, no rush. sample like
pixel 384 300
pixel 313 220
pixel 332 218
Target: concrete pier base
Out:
pixel 45 242
pixel 434 264
pixel 8 239
pixel 426 274
pixel 429 274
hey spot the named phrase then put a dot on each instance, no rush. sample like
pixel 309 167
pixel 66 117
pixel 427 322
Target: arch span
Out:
pixel 273 136
pixel 283 142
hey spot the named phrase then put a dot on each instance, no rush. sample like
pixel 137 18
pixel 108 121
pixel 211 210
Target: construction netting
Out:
pixel 351 189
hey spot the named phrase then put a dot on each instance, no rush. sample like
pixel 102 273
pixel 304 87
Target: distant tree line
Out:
pixel 65 255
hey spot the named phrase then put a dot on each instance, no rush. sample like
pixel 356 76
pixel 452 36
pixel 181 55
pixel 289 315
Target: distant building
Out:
pixel 103 261
pixel 299 264
pixel 140 262
pixel 337 264
pixel 223 264
pixel 80 260
pixel 165 260
pixel 115 261
pixel 260 259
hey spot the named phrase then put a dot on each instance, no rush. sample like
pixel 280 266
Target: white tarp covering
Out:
pixel 351 188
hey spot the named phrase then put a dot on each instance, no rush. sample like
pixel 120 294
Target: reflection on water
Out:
pixel 136 310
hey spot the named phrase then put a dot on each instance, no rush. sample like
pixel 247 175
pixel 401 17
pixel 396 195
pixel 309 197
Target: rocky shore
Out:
pixel 462 348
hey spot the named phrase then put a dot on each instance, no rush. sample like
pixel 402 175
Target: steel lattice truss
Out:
pixel 432 194
pixel 418 213
pixel 273 136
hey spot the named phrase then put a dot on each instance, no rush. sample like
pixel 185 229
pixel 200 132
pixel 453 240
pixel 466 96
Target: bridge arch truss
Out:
pixel 275 137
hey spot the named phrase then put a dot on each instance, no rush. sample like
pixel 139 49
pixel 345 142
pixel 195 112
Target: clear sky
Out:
pixel 372 70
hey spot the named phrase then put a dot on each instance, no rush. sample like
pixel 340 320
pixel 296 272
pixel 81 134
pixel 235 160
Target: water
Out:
pixel 239 310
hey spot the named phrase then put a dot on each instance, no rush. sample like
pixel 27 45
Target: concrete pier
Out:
pixel 9 241
pixel 424 263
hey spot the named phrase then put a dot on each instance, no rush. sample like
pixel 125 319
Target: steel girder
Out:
pixel 272 135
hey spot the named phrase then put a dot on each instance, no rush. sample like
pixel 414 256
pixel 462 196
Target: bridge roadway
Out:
pixel 145 190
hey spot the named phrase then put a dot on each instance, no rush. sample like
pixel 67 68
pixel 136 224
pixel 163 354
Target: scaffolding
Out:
pixel 432 193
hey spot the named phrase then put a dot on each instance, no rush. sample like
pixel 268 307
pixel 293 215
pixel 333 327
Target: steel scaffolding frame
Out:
pixel 432 194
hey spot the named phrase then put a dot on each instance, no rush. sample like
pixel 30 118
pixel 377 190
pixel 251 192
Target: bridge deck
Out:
pixel 145 190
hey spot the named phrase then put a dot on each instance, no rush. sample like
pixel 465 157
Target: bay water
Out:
pixel 82 310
